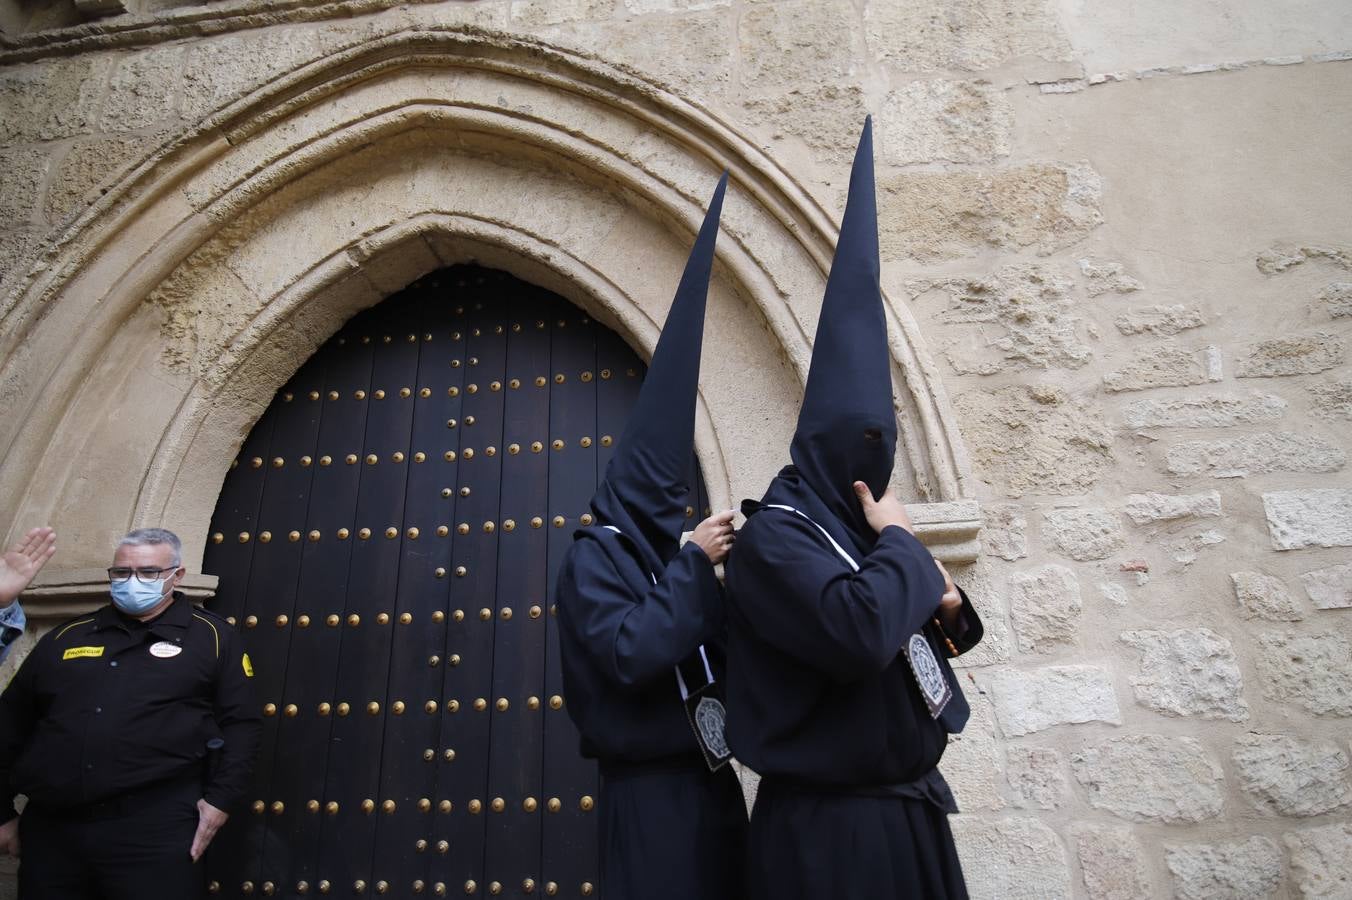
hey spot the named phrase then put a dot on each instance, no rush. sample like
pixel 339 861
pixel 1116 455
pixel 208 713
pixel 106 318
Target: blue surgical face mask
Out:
pixel 136 598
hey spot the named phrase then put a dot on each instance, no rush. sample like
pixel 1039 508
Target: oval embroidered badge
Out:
pixel 164 649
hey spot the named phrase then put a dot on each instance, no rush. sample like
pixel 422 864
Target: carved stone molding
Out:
pixel 60 594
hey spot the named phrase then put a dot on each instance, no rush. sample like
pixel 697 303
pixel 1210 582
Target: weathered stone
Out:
pixel 1265 597
pixel 1298 355
pixel 1112 863
pixel 1011 859
pixel 1329 588
pixel 1204 412
pixel 1045 605
pixel 219 71
pixel 967 35
pixel 971 765
pixel 986 594
pixel 1309 518
pixel 1333 399
pixel 1035 777
pixel 1034 438
pixel 1082 534
pixel 943 215
pixel 1338 298
pixel 651 6
pixel 1164 321
pixel 1187 549
pixel 799 43
pixel 49 100
pixel 1004 531
pixel 824 116
pixel 22 173
pixel 1026 318
pixel 1254 454
pixel 1278 259
pixel 702 71
pixel 1146 508
pixel 1188 673
pixel 88 165
pixel 18 248
pixel 1151 778
pixel 943 121
pixel 1321 861
pixel 143 89
pixel 1114 594
pixel 1035 700
pixel 1292 777
pixel 1310 671
pixel 536 13
pixel 1103 276
pixel 1165 366
pixel 1252 869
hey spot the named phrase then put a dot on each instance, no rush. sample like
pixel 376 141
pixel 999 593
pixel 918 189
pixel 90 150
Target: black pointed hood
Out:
pixel 847 427
pixel 646 486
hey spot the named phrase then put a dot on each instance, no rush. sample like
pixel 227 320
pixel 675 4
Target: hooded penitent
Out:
pixel 847 427
pixel 646 485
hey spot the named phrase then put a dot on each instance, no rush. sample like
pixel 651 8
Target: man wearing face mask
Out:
pixel 132 731
pixel 841 625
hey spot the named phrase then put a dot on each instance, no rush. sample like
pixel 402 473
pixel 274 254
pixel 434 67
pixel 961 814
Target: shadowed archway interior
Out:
pixel 387 542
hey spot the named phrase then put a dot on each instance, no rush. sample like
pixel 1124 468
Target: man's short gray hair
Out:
pixel 154 536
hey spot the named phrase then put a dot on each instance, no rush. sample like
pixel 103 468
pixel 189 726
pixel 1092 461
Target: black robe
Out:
pixel 669 828
pixel 824 706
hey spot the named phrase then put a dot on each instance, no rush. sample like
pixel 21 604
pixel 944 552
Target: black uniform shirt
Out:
pixel 105 704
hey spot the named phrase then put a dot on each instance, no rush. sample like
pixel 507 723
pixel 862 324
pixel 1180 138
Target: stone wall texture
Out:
pixel 1117 250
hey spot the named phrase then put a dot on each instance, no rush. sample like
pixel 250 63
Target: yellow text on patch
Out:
pixel 81 652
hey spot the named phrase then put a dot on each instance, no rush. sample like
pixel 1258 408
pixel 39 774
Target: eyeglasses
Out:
pixel 145 574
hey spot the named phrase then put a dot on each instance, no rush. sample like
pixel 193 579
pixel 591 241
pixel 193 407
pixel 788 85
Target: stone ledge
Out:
pixel 948 529
pixel 71 592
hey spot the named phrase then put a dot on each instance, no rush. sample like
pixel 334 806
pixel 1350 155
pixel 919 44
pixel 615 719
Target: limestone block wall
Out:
pixel 1119 236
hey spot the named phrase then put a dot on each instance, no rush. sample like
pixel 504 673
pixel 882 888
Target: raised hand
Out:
pixel 886 510
pixel 21 564
pixel 715 536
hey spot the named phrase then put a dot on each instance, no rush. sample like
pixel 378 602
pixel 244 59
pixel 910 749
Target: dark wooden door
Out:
pixel 387 543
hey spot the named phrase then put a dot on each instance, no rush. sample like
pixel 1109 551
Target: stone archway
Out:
pixel 163 320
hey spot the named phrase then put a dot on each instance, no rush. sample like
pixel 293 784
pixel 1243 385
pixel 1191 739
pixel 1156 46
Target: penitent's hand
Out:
pixel 715 536
pixel 950 604
pixel 22 562
pixel 886 510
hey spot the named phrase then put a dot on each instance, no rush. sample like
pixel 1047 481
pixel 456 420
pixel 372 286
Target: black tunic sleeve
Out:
pixel 800 596
pixel 632 638
pixel 18 715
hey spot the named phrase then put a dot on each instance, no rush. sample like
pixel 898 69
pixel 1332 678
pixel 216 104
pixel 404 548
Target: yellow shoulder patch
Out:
pixel 81 652
pixel 248 666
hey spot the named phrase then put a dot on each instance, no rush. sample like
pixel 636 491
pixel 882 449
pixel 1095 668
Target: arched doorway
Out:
pixel 386 542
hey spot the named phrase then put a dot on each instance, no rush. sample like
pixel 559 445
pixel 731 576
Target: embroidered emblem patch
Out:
pixel 711 719
pixel 164 649
pixel 82 652
pixel 248 667
pixel 934 686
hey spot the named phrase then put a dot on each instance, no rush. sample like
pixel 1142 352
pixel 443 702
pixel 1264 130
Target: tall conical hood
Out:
pixel 646 484
pixel 847 429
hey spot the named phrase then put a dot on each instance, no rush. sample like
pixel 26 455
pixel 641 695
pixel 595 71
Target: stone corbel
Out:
pixel 949 529
pixel 72 592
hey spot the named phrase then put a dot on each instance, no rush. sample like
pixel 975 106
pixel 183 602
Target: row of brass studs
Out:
pixel 333 620
pixel 354 619
pixel 399 456
pixel 445 807
pixel 412 532
pixel 528 885
pixel 404 393
pixel 399 707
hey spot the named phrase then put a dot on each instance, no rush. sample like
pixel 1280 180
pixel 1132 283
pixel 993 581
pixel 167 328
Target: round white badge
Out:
pixel 164 649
